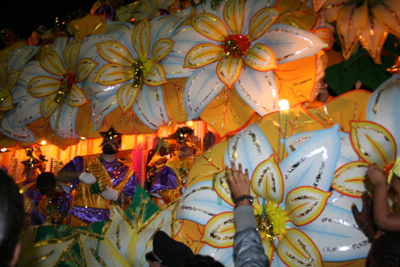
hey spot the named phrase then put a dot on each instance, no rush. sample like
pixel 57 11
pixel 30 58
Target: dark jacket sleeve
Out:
pixel 248 250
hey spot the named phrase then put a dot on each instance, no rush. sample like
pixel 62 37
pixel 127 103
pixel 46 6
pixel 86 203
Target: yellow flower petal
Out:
pixel 141 39
pixel 156 76
pixel 297 249
pixel 5 101
pixel 70 54
pixel 373 143
pixel 388 13
pixel 115 52
pixel 161 48
pixel 350 179
pixel 351 21
pixel 48 105
pixel 126 96
pixel 85 67
pixel 112 74
pixel 52 63
pixel 202 55
pixel 221 186
pixel 262 21
pixel 77 97
pixel 210 26
pixel 12 78
pixel 267 181
pixel 3 76
pixel 331 9
pixel 43 86
pixel 304 204
pixel 326 35
pixel 220 231
pixel 229 70
pixel 260 57
pixel 234 15
pixel 373 37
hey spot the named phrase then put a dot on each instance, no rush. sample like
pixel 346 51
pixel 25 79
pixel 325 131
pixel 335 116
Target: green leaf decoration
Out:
pixel 141 208
pixel 341 79
pixel 371 74
pixel 392 45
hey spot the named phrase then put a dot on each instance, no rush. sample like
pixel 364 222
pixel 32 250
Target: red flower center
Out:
pixel 236 45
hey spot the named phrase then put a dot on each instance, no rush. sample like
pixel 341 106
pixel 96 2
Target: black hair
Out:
pixel 45 180
pixel 202 261
pixel 385 251
pixel 11 218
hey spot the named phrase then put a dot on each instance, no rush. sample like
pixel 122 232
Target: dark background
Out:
pixel 24 16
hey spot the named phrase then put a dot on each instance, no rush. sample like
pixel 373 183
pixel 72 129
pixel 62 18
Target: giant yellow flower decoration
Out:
pixel 367 21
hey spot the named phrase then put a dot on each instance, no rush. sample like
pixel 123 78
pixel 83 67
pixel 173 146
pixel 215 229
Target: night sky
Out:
pixel 25 16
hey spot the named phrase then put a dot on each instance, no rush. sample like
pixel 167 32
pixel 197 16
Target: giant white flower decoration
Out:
pixel 132 75
pixel 374 140
pixel 300 216
pixel 53 85
pixel 236 48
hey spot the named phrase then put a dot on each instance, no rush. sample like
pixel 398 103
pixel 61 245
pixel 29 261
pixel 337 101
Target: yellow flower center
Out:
pixel 273 223
pixel 67 80
pixel 140 69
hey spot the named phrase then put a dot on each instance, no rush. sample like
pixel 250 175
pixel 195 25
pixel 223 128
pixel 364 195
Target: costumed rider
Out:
pixel 98 182
pixel 169 182
pixel 50 209
pixel 33 166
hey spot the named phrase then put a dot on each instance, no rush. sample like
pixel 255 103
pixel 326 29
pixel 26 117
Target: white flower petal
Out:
pixel 258 90
pixel 290 43
pixel 150 107
pixel 200 89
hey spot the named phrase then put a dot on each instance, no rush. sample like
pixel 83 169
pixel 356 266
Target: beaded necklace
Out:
pixel 50 212
pixel 114 173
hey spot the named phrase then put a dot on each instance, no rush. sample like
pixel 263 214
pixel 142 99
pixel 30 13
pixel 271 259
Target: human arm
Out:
pixel 67 176
pixel 383 216
pixel 247 249
pixel 364 218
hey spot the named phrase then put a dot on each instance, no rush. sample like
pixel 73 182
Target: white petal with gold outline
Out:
pixel 20 56
pixel 249 147
pixel 336 235
pixel 202 86
pixel 289 43
pixel 383 107
pixel 63 123
pixel 314 163
pixel 101 107
pixel 150 107
pixel 20 133
pixel 199 203
pixel 258 89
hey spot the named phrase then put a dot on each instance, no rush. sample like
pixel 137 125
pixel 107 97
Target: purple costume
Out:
pixel 122 180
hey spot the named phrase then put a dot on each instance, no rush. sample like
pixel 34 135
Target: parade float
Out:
pixel 251 73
